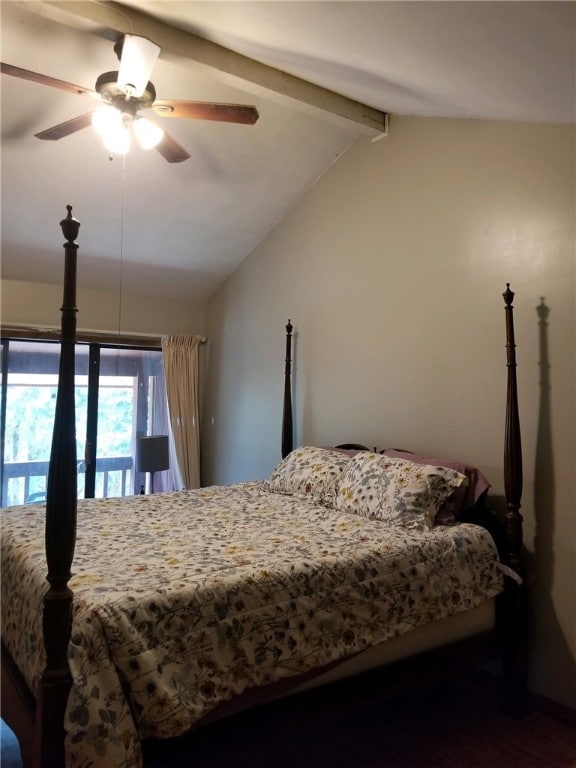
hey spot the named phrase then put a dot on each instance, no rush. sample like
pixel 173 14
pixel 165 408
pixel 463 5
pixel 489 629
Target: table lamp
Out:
pixel 152 455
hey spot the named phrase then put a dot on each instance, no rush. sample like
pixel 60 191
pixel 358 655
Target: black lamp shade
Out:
pixel 152 453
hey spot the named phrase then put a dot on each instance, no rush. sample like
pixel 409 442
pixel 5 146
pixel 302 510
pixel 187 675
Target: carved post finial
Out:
pixel 70 226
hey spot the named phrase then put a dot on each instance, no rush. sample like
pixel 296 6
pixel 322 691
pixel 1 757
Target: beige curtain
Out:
pixel 180 357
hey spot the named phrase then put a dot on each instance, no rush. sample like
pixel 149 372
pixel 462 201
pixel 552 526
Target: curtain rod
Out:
pixel 86 335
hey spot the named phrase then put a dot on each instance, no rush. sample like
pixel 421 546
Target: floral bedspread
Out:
pixel 183 600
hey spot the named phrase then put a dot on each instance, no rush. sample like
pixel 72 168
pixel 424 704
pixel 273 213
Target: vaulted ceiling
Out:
pixel 321 75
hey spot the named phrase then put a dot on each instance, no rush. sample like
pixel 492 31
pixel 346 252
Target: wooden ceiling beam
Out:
pixel 185 45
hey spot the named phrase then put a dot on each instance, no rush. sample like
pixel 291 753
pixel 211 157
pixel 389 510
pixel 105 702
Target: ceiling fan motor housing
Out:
pixel 107 86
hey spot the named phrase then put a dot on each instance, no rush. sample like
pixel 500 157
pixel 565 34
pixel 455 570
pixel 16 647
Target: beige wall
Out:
pixel 392 270
pixel 38 304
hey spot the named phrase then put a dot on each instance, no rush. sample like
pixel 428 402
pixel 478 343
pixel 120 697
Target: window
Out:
pixel 119 396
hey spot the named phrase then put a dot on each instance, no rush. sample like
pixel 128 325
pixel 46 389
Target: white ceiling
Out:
pixel 178 230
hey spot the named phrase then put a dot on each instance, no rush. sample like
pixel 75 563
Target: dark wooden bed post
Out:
pixel 512 447
pixel 287 412
pixel 515 655
pixel 61 495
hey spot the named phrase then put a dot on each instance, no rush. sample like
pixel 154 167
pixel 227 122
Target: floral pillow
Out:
pixel 462 498
pixel 311 473
pixel 394 490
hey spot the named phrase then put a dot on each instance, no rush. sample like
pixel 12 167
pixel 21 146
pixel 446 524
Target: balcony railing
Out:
pixel 24 482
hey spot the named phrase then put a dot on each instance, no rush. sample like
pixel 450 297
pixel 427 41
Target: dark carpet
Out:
pixel 455 722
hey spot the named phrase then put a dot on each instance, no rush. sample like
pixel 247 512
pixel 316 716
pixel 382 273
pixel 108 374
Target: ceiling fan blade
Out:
pixel 65 129
pixel 35 77
pixel 205 110
pixel 171 150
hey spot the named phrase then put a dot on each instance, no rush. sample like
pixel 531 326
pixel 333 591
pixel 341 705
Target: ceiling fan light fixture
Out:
pixel 136 63
pixel 148 133
pixel 118 140
pixel 106 120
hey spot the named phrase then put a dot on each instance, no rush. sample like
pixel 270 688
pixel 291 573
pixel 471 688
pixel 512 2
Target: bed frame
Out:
pixel 39 723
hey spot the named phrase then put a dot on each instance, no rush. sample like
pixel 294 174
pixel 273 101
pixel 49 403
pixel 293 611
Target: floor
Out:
pixel 444 723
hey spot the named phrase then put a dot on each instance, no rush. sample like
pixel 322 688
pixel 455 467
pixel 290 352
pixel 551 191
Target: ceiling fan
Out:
pixel 123 94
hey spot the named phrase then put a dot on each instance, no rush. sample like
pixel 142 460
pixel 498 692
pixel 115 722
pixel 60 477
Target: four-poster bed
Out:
pixel 124 658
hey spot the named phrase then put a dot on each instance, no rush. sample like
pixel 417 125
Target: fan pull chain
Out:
pixel 121 283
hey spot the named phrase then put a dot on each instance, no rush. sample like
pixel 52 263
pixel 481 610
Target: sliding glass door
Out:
pixel 123 405
pixel 119 396
pixel 29 384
